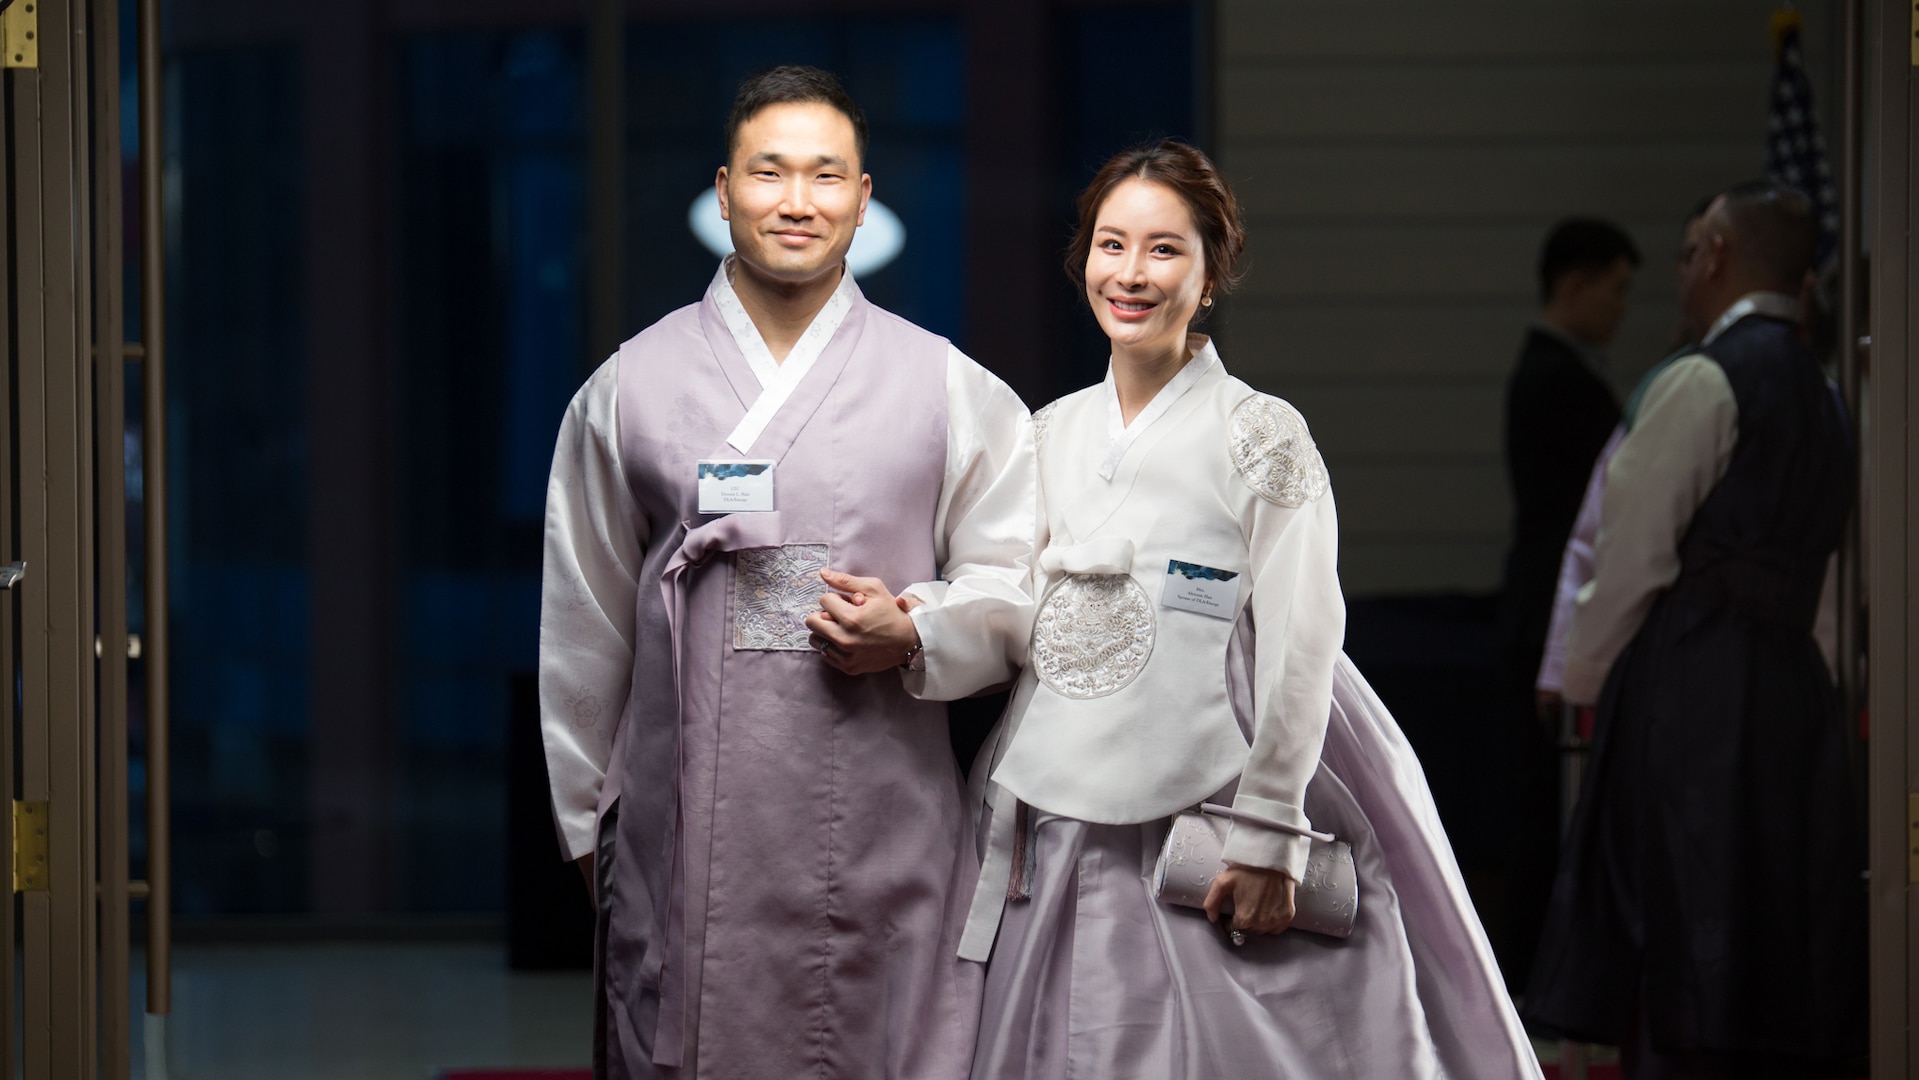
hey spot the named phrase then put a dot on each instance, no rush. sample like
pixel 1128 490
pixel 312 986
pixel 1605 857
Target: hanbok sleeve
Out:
pixel 1575 570
pixel 974 621
pixel 1677 450
pixel 595 541
pixel 1299 623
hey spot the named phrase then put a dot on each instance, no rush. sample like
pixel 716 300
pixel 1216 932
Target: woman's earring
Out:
pixel 1205 301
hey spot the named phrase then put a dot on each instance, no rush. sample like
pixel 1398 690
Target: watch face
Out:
pixel 916 659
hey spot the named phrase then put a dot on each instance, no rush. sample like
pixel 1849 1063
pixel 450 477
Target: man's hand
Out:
pixel 1262 900
pixel 861 627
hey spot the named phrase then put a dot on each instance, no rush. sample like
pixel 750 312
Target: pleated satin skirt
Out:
pixel 1091 977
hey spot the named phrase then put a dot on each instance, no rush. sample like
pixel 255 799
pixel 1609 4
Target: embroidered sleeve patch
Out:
pixel 1275 453
pixel 1040 419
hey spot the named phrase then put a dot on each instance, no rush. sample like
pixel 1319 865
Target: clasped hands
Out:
pixel 861 627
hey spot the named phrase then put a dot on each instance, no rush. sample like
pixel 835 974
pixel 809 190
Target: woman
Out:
pixel 1145 696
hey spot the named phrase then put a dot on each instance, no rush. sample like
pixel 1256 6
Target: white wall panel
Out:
pixel 1400 164
pixel 1565 100
pixel 1526 31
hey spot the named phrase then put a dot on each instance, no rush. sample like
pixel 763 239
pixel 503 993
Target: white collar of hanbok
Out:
pixel 1776 304
pixel 1121 433
pixel 777 380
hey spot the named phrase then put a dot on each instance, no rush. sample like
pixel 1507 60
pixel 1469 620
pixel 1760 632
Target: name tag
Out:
pixel 736 487
pixel 1202 589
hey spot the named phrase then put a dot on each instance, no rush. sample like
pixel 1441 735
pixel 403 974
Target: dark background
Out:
pixel 378 275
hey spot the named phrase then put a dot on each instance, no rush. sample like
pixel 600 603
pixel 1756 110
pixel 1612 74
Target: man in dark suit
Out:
pixel 1560 409
pixel 1709 915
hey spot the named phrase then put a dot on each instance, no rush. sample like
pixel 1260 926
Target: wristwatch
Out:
pixel 915 658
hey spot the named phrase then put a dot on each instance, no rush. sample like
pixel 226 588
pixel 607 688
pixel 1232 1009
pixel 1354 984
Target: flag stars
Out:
pixel 1795 150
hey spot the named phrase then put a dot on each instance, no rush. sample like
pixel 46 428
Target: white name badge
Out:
pixel 736 487
pixel 1191 587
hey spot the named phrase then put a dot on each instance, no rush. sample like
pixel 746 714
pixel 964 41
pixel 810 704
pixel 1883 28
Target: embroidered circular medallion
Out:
pixel 1093 635
pixel 1272 449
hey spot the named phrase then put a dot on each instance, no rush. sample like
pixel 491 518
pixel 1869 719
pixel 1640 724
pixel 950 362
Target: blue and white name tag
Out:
pixel 736 487
pixel 1191 587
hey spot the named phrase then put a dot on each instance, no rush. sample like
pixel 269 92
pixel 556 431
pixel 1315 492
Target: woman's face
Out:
pixel 1146 271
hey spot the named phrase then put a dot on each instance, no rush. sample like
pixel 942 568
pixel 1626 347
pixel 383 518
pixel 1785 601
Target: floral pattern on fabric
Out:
pixel 1275 453
pixel 1093 635
pixel 774 590
pixel 1040 419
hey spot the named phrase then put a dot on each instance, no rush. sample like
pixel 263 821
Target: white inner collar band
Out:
pixel 777 380
pixel 1778 305
pixel 1122 433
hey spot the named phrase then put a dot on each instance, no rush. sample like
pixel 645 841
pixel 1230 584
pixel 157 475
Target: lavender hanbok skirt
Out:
pixel 1091 977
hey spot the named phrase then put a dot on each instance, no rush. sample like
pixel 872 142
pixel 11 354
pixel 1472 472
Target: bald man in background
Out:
pixel 1709 913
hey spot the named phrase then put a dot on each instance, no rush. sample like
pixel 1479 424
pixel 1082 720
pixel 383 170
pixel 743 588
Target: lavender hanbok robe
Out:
pixel 784 862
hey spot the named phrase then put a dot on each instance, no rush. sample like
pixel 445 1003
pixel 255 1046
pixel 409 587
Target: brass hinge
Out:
pixel 20 35
pixel 29 846
pixel 1915 33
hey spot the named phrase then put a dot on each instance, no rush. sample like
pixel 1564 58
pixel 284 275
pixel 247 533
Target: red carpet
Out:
pixel 1593 1072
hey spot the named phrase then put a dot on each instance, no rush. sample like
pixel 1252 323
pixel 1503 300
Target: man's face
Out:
pixel 1597 300
pixel 1700 254
pixel 792 193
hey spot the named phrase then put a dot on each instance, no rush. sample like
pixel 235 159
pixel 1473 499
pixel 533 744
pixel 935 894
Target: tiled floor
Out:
pixel 363 1012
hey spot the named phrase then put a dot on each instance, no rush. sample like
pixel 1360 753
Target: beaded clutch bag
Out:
pixel 1325 901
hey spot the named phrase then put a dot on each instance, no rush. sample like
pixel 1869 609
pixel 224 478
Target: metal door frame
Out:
pixel 63 628
pixel 1893 563
pixel 52 301
pixel 110 554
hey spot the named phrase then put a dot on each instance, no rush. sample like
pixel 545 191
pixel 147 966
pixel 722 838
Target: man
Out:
pixel 1560 408
pixel 776 836
pixel 1709 914
pixel 1575 566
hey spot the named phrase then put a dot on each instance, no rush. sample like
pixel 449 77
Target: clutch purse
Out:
pixel 1325 901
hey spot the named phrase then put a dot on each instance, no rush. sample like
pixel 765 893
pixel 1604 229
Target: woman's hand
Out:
pixel 861 627
pixel 1261 900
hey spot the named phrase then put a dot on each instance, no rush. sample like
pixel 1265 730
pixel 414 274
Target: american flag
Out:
pixel 1795 152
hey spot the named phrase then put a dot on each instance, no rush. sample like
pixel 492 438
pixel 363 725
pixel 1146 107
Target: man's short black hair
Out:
pixel 1775 230
pixel 1581 244
pixel 792 84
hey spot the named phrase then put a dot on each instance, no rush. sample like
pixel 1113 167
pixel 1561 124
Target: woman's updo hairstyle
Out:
pixel 1192 175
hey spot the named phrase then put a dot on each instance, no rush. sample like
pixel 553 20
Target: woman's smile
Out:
pixel 1130 310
